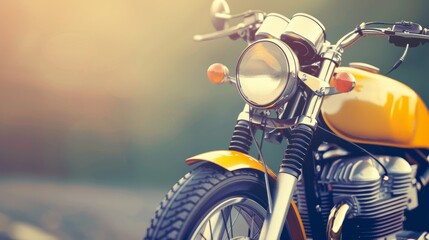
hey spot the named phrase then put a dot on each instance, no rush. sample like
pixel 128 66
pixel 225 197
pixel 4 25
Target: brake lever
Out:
pixel 226 16
pixel 224 33
pixel 411 35
pixel 251 18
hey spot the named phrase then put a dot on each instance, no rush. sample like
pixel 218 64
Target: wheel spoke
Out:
pixel 203 236
pixel 217 219
pixel 234 221
pixel 249 233
pixel 236 217
pixel 224 223
pixel 207 230
pixel 230 219
pixel 211 230
pixel 230 222
pixel 256 234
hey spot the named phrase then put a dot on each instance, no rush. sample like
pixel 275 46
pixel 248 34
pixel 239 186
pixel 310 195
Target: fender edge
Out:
pixel 233 160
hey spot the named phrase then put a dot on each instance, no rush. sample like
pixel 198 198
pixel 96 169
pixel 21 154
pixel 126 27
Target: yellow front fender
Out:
pixel 233 160
pixel 230 160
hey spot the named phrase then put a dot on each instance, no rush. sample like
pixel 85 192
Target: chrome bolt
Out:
pixel 317 156
pixel 318 208
pixel 266 113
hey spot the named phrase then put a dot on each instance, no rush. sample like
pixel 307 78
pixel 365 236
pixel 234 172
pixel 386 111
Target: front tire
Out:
pixel 206 204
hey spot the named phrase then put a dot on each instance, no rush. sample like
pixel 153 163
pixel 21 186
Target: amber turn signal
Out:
pixel 217 73
pixel 343 82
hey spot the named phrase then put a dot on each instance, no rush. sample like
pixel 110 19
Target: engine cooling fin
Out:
pixel 377 203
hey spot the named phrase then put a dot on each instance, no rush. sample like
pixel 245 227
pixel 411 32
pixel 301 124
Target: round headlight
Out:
pixel 267 73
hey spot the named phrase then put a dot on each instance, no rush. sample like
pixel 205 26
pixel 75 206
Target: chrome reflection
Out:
pixel 266 73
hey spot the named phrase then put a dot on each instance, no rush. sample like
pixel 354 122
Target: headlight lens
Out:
pixel 266 73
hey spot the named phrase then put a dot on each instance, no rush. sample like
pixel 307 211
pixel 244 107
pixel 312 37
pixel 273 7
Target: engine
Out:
pixel 377 202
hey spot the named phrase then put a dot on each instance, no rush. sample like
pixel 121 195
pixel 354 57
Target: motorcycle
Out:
pixel 356 164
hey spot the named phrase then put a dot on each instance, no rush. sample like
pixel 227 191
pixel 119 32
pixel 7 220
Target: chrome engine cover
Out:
pixel 378 202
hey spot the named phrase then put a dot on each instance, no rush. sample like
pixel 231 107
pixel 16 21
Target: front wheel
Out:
pixel 211 203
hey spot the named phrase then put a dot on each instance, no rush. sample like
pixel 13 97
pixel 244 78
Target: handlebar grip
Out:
pixel 407 33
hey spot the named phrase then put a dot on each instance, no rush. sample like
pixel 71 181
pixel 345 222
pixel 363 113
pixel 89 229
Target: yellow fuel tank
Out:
pixel 379 111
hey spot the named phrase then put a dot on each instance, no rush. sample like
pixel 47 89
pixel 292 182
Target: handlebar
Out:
pixel 356 35
pixel 401 34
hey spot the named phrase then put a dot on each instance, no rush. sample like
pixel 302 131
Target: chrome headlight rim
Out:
pixel 291 78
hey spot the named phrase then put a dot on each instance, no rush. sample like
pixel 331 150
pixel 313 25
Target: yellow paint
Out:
pixel 379 111
pixel 230 160
pixel 233 160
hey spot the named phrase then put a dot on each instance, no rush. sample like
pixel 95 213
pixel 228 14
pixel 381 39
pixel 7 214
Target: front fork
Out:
pixel 290 170
pixel 298 148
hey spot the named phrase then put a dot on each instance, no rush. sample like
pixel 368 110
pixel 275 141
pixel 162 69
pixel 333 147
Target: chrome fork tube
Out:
pixel 273 224
pixel 291 167
pixel 333 59
pixel 290 170
pixel 329 65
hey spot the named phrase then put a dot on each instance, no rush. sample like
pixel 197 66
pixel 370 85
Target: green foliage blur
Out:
pixel 170 111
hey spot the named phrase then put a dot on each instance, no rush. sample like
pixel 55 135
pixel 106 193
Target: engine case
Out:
pixel 378 202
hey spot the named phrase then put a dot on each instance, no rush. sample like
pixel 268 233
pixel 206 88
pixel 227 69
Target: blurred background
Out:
pixel 101 102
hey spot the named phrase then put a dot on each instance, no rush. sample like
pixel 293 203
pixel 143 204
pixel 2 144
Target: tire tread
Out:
pixel 179 202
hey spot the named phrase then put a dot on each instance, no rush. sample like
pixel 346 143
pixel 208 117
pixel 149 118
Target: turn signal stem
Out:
pixel 341 82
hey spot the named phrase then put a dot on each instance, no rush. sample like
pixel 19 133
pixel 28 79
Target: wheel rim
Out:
pixel 232 219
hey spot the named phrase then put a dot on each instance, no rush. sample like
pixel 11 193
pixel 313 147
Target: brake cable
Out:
pixel 386 174
pixel 260 157
pixel 401 59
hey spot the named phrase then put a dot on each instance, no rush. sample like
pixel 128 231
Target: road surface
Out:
pixel 45 210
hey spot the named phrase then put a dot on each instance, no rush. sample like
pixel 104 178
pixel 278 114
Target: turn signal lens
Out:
pixel 343 82
pixel 217 73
